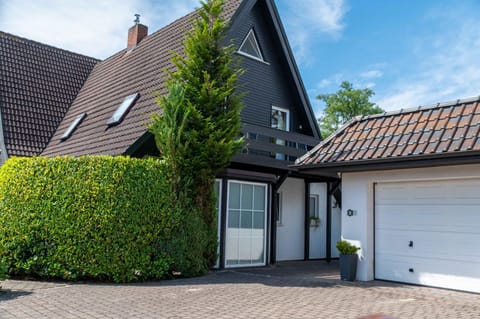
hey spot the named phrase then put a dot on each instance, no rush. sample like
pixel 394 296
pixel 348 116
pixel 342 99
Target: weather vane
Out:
pixel 137 18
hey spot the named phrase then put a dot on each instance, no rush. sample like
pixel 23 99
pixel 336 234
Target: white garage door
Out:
pixel 428 233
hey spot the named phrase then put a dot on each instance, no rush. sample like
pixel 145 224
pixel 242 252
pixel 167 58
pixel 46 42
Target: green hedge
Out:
pixel 103 218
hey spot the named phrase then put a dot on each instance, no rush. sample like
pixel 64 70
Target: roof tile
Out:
pixel 438 129
pixel 38 83
pixel 141 70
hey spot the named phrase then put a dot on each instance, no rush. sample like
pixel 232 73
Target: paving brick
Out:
pixel 288 290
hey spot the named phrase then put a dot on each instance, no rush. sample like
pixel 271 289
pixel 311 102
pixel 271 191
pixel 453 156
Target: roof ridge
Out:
pixel 20 38
pixel 419 108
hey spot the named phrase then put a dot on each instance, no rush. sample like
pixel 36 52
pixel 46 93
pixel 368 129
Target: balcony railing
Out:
pixel 273 148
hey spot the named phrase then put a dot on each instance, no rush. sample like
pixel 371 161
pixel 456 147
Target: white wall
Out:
pixel 291 230
pixel 318 235
pixel 357 194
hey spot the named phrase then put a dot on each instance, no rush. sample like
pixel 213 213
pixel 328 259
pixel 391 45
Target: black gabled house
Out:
pixel 265 206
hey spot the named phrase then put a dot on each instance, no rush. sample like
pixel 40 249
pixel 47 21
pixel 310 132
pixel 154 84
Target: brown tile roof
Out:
pixel 38 83
pixel 447 128
pixel 141 70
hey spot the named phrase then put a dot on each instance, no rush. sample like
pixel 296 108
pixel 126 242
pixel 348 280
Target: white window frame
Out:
pixel 127 103
pixel 284 110
pixel 265 227
pixel 219 220
pixel 73 126
pixel 239 51
pixel 279 208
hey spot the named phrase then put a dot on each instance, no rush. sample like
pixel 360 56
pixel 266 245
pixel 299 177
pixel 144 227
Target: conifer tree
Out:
pixel 198 133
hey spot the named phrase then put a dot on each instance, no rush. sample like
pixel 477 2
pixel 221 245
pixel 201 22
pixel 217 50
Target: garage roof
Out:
pixel 441 129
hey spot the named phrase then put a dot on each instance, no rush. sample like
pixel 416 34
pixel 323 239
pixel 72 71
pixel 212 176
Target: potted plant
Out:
pixel 348 260
pixel 314 221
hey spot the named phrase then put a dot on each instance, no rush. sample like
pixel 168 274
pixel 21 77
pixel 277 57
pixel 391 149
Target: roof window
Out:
pixel 250 47
pixel 73 126
pixel 122 110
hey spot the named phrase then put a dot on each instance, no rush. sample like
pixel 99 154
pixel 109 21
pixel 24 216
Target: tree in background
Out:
pixel 345 105
pixel 198 132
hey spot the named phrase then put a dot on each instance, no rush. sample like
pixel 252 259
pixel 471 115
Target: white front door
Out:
pixel 428 233
pixel 246 224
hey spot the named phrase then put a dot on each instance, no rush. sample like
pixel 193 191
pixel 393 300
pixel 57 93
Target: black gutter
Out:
pixel 404 162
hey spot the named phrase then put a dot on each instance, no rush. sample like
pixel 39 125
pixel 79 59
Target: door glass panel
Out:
pixel 247 196
pixel 313 200
pixel 246 219
pixel 246 231
pixel 258 220
pixel 234 218
pixel 234 196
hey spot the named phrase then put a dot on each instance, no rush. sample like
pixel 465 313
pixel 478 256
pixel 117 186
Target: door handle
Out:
pixel 410 270
pixel 410 244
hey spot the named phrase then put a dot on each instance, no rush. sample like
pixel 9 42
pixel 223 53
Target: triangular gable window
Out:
pixel 122 110
pixel 73 126
pixel 250 46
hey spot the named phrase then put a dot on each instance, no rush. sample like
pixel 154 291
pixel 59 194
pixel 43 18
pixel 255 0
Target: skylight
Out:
pixel 119 114
pixel 73 126
pixel 250 47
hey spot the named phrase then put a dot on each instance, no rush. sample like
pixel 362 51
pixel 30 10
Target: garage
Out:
pixel 428 233
pixel 410 183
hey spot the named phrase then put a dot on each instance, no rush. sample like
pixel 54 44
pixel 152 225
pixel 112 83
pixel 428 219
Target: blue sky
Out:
pixel 409 52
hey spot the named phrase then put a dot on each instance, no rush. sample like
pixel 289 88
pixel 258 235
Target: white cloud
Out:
pixel 93 27
pixel 449 69
pixel 324 83
pixel 305 19
pixel 371 74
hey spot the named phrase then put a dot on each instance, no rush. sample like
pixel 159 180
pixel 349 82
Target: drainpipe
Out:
pixel 273 223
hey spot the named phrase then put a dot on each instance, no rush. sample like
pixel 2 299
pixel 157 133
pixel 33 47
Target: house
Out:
pixel 410 189
pixel 38 83
pixel 265 205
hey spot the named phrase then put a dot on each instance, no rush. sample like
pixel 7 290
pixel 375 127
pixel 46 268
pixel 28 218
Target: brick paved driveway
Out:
pixel 289 290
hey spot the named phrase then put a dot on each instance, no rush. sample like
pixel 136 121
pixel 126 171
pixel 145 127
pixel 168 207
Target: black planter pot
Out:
pixel 348 267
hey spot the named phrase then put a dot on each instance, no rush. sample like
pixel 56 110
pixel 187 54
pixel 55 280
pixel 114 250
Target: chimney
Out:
pixel 136 33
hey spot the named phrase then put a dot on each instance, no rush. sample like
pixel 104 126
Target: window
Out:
pixel 73 126
pixel 119 114
pixel 278 212
pixel 280 118
pixel 250 47
pixel 313 205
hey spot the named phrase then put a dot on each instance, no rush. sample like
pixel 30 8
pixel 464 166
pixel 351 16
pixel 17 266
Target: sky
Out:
pixel 408 52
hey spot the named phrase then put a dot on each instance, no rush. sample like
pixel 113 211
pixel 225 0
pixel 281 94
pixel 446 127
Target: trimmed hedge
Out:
pixel 95 217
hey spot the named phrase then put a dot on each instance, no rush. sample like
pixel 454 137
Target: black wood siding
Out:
pixel 267 84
